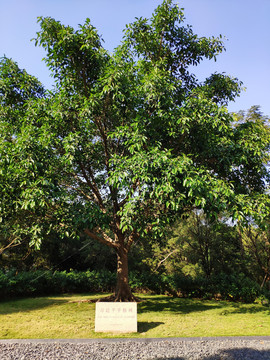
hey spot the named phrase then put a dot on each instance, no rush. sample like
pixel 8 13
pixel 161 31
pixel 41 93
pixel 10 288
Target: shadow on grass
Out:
pixel 144 326
pixel 251 309
pixel 27 305
pixel 149 304
pixel 176 305
pixel 186 306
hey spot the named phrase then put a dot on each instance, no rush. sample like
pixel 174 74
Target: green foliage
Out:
pixel 16 85
pixel 237 287
pixel 71 52
pixel 234 287
pixel 44 282
pixel 195 246
pixel 222 88
pixel 125 142
pixel 256 244
pixel 212 246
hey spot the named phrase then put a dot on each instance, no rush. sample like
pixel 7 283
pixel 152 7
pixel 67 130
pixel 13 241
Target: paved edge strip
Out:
pixel 123 340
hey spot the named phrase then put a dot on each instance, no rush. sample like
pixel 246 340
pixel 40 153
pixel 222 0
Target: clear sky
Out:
pixel 244 23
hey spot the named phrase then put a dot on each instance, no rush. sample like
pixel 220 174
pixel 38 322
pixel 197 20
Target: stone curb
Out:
pixel 143 340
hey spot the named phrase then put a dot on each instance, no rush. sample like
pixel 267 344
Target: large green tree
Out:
pixel 126 140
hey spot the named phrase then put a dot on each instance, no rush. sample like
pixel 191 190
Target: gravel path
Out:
pixel 135 349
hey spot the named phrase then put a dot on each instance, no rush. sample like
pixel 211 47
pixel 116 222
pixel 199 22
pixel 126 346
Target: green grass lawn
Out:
pixel 158 316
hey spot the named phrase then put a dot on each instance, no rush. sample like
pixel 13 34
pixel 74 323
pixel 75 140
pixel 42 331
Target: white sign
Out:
pixel 116 317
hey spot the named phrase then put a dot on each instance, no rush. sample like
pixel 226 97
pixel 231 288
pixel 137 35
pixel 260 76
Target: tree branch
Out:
pixel 79 190
pixel 105 239
pixel 131 239
pixel 93 186
pixel 162 261
pixel 10 245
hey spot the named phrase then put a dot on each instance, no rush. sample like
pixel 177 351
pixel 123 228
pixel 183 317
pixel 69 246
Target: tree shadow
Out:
pixel 144 326
pixel 239 353
pixel 185 306
pixel 254 309
pixel 233 354
pixel 171 358
pixel 176 305
pixel 27 305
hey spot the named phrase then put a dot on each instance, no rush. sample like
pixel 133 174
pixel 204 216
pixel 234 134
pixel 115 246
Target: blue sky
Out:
pixel 244 23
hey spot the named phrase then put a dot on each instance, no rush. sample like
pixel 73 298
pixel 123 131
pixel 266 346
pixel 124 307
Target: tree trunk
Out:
pixel 123 291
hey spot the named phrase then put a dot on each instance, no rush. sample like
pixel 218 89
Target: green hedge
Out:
pixel 234 287
pixel 47 282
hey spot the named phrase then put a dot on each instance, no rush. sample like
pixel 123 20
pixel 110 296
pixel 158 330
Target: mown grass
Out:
pixel 68 316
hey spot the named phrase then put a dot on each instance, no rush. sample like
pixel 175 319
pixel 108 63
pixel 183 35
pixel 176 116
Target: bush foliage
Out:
pixel 47 282
pixel 226 287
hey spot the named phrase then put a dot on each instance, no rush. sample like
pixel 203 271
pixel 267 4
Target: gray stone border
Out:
pixel 143 340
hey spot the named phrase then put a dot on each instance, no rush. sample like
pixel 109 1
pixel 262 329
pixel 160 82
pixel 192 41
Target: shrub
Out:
pixel 47 282
pixel 236 287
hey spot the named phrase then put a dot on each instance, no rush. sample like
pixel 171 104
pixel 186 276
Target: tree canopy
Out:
pixel 126 141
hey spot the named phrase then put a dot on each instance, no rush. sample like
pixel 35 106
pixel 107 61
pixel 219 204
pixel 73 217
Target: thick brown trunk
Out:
pixel 123 291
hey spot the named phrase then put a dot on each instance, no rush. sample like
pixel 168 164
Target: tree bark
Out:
pixel 123 291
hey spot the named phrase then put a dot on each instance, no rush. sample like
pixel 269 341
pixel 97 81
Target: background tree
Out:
pixel 208 247
pixel 126 141
pixel 257 249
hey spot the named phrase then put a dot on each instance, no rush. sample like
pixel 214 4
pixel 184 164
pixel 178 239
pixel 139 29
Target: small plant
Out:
pixel 263 300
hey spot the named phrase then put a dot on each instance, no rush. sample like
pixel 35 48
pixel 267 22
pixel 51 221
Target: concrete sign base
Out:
pixel 116 317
